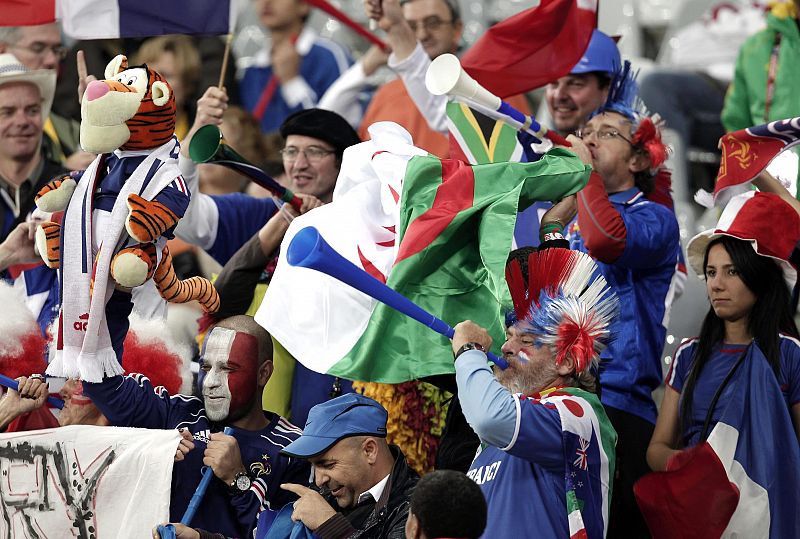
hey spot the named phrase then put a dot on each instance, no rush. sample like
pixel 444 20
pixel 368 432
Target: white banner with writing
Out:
pixel 85 481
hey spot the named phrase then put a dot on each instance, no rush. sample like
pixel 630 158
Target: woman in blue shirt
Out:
pixel 748 276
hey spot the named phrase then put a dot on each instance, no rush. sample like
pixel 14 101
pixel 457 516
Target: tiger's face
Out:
pixel 132 109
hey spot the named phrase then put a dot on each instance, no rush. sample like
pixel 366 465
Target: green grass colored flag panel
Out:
pixel 456 228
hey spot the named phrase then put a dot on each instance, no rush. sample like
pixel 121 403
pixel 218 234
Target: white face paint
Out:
pixel 216 390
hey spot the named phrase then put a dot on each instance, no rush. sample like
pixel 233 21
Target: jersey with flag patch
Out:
pixel 554 478
pixel 131 401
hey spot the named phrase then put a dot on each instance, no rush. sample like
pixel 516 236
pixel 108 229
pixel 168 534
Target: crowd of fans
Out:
pixel 553 445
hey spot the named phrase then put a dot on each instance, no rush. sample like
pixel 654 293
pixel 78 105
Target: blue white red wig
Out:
pixel 565 303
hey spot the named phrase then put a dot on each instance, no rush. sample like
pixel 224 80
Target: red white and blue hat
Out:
pixel 768 222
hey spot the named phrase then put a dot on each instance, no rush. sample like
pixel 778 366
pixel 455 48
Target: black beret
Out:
pixel 321 124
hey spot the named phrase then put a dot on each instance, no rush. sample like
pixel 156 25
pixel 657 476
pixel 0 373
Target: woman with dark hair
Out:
pixel 748 280
pixel 747 277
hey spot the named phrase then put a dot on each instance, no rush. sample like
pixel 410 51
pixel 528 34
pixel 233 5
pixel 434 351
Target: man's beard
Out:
pixel 528 379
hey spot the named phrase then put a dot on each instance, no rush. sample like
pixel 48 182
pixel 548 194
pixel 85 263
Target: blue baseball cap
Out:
pixel 602 54
pixel 351 414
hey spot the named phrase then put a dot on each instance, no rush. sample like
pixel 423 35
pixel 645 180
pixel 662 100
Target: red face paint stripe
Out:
pixel 242 381
pixel 455 194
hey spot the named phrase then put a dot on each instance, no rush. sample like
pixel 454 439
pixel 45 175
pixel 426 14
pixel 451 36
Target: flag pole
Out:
pixel 350 23
pixel 225 57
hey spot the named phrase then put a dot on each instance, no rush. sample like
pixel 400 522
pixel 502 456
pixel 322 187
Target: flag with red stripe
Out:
pixel 108 19
pixel 743 480
pixel 454 224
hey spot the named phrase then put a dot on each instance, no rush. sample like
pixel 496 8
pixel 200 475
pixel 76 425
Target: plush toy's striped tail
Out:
pixel 174 290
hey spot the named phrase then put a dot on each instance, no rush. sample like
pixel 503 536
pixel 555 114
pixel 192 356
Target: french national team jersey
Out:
pixel 131 401
pixel 553 479
pixel 644 278
pixel 239 218
pixel 722 359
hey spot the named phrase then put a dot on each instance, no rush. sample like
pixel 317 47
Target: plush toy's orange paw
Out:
pixel 148 219
pixel 48 243
pixel 132 266
pixel 56 194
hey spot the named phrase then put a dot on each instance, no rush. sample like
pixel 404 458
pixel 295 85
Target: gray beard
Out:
pixel 527 382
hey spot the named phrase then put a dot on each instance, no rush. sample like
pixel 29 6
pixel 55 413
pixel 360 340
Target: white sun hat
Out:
pixel 12 70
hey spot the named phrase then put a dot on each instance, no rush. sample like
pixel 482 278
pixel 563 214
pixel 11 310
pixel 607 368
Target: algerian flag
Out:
pixel 454 222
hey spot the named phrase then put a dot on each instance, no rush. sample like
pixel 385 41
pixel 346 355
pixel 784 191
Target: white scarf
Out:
pixel 84 348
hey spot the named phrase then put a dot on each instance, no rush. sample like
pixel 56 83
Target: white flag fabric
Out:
pixel 85 481
pixel 360 224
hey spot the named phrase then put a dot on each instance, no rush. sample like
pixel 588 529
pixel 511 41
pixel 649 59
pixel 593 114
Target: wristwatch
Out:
pixel 470 346
pixel 241 482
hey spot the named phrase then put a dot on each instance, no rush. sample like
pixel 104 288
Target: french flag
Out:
pixel 744 480
pixel 106 19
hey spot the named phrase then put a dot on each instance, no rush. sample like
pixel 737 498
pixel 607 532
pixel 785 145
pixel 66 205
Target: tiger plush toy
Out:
pixel 118 216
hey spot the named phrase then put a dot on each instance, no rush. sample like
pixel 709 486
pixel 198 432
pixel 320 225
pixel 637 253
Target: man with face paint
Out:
pixel 236 363
pixel 547 454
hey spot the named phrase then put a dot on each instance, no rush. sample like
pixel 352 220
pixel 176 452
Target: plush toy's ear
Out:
pixel 160 92
pixel 117 65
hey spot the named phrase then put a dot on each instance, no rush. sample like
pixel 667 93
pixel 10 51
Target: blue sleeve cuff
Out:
pixel 490 409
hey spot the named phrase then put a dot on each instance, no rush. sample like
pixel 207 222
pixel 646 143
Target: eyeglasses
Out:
pixel 40 49
pixel 313 154
pixel 430 24
pixel 602 134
